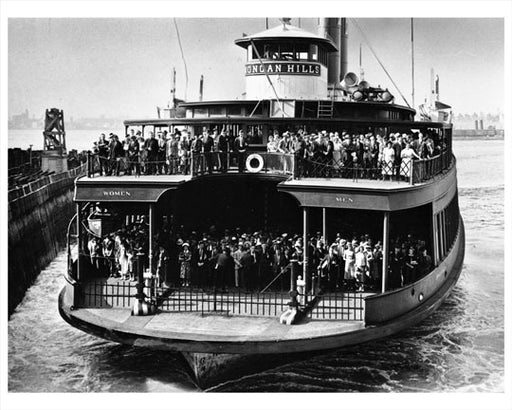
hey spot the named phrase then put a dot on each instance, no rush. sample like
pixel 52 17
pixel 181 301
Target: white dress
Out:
pixel 406 165
pixel 388 159
pixel 350 269
pixel 124 260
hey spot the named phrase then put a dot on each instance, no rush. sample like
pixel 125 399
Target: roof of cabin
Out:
pixel 287 32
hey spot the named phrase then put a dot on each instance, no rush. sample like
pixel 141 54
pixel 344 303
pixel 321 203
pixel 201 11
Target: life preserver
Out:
pixel 251 158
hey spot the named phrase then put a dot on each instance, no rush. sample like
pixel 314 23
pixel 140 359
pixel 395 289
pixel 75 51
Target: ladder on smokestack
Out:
pixel 325 109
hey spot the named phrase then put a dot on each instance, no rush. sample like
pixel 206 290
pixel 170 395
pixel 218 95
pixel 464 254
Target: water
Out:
pixel 460 348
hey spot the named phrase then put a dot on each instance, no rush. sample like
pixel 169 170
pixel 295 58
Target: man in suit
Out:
pixel 133 156
pixel 224 267
pixel 152 153
pixel 241 148
pixel 116 154
pixel 196 147
pixel 207 149
pixel 223 148
pixel 247 262
pixel 200 263
pixel 103 154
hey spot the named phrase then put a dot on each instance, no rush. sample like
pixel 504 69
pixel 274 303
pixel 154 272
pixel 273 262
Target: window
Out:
pixel 287 52
pixel 217 111
pixel 302 51
pixel 234 110
pixel 271 51
pixel 313 52
pixel 200 112
pixel 260 50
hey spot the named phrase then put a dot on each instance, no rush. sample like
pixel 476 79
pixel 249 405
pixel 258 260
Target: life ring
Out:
pixel 251 158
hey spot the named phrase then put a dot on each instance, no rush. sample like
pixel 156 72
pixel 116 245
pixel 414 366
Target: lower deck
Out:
pixel 114 293
pixel 213 327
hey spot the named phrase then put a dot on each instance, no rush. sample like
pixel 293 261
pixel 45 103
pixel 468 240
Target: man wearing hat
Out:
pixel 207 150
pixel 103 154
pixel 223 148
pixel 116 153
pixel 240 147
pixel 133 155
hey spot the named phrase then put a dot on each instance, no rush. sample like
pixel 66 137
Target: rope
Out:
pixel 273 280
pixel 378 59
pixel 183 57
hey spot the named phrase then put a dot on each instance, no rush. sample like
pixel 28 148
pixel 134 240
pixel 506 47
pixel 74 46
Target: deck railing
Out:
pixel 338 306
pixel 102 293
pixel 197 164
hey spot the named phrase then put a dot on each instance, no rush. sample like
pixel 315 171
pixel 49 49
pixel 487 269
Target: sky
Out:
pixel 121 67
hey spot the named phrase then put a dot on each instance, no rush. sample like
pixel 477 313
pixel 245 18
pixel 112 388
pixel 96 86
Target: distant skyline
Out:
pixel 122 67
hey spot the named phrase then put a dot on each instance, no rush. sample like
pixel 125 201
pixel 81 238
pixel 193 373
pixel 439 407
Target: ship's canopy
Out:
pixel 285 32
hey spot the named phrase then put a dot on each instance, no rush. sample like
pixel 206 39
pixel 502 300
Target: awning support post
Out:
pixel 385 250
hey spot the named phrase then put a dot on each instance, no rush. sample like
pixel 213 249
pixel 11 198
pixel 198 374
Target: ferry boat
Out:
pixel 292 86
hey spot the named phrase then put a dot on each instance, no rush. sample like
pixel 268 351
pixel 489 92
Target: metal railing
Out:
pixel 198 164
pixel 425 169
pixel 233 302
pixel 338 306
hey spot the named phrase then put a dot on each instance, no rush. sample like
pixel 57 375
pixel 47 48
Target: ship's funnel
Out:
pixel 335 29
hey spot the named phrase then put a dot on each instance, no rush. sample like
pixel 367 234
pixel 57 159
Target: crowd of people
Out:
pixel 355 155
pixel 169 153
pixel 320 154
pixel 255 261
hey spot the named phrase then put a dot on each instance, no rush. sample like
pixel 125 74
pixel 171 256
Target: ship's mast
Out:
pixel 412 60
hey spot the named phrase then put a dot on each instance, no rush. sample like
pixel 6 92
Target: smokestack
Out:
pixel 481 124
pixel 335 29
pixel 476 124
pixel 201 88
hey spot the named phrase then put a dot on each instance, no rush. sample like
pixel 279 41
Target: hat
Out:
pixel 179 242
pixel 185 244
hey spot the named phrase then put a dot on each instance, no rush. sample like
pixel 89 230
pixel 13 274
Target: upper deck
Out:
pixel 315 184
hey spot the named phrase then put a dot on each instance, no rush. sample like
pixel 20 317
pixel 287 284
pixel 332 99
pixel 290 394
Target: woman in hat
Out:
pixel 184 259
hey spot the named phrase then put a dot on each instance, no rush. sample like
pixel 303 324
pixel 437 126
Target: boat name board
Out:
pixel 308 69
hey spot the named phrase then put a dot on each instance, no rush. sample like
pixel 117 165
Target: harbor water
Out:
pixel 459 348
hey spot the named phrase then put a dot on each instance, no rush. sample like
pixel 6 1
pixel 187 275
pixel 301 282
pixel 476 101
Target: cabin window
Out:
pixel 287 52
pixel 302 51
pixel 234 110
pixel 258 49
pixel 447 222
pixel 217 111
pixel 200 112
pixel 313 52
pixel 271 51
